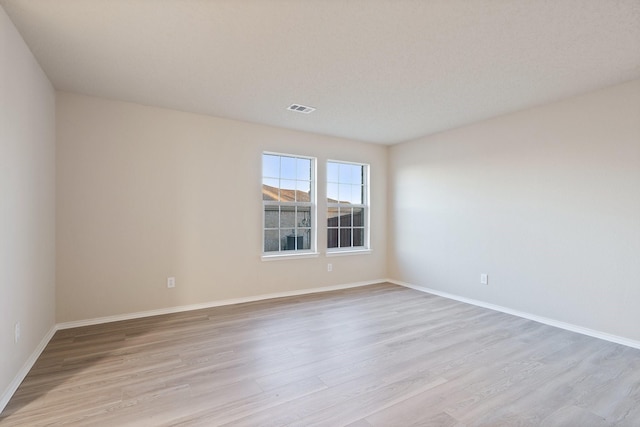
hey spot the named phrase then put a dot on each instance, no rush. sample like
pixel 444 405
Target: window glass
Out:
pixel 287 198
pixel 347 205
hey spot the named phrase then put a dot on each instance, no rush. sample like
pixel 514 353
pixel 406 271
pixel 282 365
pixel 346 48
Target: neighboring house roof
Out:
pixel 286 195
pixel 271 193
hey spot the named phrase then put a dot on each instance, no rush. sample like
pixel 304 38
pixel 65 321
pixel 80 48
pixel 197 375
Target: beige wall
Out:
pixel 27 203
pixel 145 193
pixel 546 201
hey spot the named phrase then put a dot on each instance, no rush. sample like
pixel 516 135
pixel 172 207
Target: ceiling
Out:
pixel 378 71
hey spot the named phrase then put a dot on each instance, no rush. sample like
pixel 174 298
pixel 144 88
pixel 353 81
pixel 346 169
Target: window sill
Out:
pixel 281 257
pixel 349 252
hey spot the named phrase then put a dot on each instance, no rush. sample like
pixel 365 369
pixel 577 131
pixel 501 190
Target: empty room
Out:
pixel 320 213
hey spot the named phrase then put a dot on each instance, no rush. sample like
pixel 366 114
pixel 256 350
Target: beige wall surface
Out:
pixel 27 203
pixel 546 201
pixel 146 193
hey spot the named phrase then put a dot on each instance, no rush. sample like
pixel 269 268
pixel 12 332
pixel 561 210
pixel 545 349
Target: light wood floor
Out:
pixel 380 355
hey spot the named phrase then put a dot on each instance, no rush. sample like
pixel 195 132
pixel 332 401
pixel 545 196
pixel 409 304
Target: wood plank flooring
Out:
pixel 380 355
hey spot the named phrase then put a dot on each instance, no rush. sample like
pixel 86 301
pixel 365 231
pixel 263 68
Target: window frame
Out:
pixel 366 206
pixel 312 205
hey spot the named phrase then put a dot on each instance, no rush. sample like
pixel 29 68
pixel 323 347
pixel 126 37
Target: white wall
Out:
pixel 27 205
pixel 145 193
pixel 546 201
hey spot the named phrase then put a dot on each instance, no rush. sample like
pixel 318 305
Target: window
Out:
pixel 347 206
pixel 288 201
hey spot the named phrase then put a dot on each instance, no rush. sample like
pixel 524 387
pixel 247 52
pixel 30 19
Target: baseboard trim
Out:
pixel 22 373
pixel 211 304
pixel 540 319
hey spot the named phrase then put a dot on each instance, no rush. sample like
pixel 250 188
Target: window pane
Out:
pixel 287 217
pixel 358 217
pixel 271 219
pixel 332 193
pixel 303 217
pixel 303 169
pixel 270 189
pixel 333 215
pixel 287 191
pixel 305 242
pixel 345 237
pixel 358 237
pixel 356 174
pixel 345 217
pixel 332 238
pixel 291 241
pixel 356 195
pixel 332 172
pixel 344 193
pixel 344 171
pixel 270 166
pixel 287 167
pixel 303 193
pixel 271 238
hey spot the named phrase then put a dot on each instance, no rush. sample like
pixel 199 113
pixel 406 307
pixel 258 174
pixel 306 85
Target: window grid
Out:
pixel 347 205
pixel 288 209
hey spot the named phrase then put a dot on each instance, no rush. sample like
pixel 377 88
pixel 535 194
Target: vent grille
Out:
pixel 301 108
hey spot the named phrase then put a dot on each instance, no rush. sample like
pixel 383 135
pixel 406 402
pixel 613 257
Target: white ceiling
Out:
pixel 379 71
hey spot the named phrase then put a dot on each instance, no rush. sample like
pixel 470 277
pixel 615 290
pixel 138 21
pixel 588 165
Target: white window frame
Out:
pixel 366 205
pixel 312 204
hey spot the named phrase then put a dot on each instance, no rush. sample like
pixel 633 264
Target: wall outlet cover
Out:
pixel 17 332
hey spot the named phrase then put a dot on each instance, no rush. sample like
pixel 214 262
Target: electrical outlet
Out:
pixel 16 332
pixel 329 268
pixel 171 282
pixel 484 279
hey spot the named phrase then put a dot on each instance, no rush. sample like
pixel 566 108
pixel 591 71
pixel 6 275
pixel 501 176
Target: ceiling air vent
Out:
pixel 301 108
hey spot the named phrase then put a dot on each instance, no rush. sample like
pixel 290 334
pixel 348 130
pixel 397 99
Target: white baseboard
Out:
pixel 22 373
pixel 547 321
pixel 219 303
